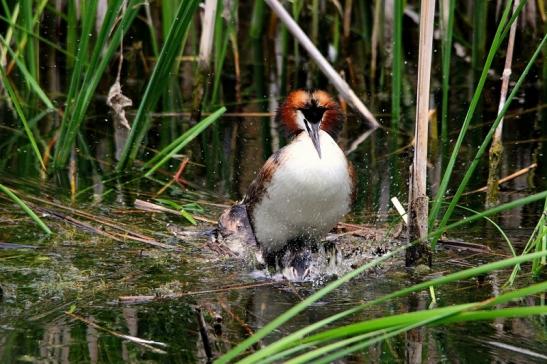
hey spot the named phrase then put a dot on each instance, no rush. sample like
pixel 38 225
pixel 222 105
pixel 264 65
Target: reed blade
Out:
pixel 33 82
pixel 179 143
pixel 501 31
pixel 486 142
pixel 86 78
pixel 160 75
pixel 19 110
pixel 25 208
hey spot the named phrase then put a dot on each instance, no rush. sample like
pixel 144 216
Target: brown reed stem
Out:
pixel 496 149
pixel 418 206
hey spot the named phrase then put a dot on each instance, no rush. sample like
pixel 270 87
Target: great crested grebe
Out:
pixel 303 189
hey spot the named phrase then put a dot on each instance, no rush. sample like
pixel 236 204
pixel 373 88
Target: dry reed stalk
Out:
pixel 418 200
pixel 207 33
pixel 496 149
pixel 73 174
pixel 90 216
pixel 358 141
pixel 542 12
pixel 508 178
pixel 119 237
pixel 152 207
pixel 374 40
pixel 237 69
pixel 347 20
pixel 204 60
pixel 125 232
pixel 338 82
pixel 147 344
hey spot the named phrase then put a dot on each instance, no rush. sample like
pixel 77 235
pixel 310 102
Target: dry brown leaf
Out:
pixel 117 102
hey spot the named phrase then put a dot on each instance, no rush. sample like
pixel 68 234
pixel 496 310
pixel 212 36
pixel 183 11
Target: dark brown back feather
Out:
pixel 257 189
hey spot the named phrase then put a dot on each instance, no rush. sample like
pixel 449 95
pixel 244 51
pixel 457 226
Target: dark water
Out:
pixel 79 271
pixel 61 294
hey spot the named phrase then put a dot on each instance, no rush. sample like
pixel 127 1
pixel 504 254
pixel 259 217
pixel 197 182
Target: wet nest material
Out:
pixel 345 248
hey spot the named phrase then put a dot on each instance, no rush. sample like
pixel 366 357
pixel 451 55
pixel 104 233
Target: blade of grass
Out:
pixel 480 315
pixel 507 206
pixel 25 208
pixel 168 12
pixel 502 233
pixel 75 79
pixel 17 104
pixel 541 225
pixel 314 354
pixel 484 146
pixel 160 75
pixel 436 316
pixel 179 208
pixel 31 47
pixel 480 28
pixel 471 272
pixel 276 358
pixel 182 141
pixel 114 28
pixel 447 26
pixel 541 246
pixel 221 38
pixel 6 8
pixel 172 94
pixel 257 19
pixel 72 34
pixel 341 353
pixel 33 83
pixel 410 317
pixel 151 29
pixel 510 312
pixel 496 42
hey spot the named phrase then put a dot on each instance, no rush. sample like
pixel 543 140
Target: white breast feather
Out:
pixel 307 195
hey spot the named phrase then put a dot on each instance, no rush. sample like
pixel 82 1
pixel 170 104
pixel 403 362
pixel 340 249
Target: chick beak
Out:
pixel 313 131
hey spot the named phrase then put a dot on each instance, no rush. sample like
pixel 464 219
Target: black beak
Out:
pixel 313 131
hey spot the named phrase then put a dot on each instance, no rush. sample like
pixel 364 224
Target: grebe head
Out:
pixel 310 111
